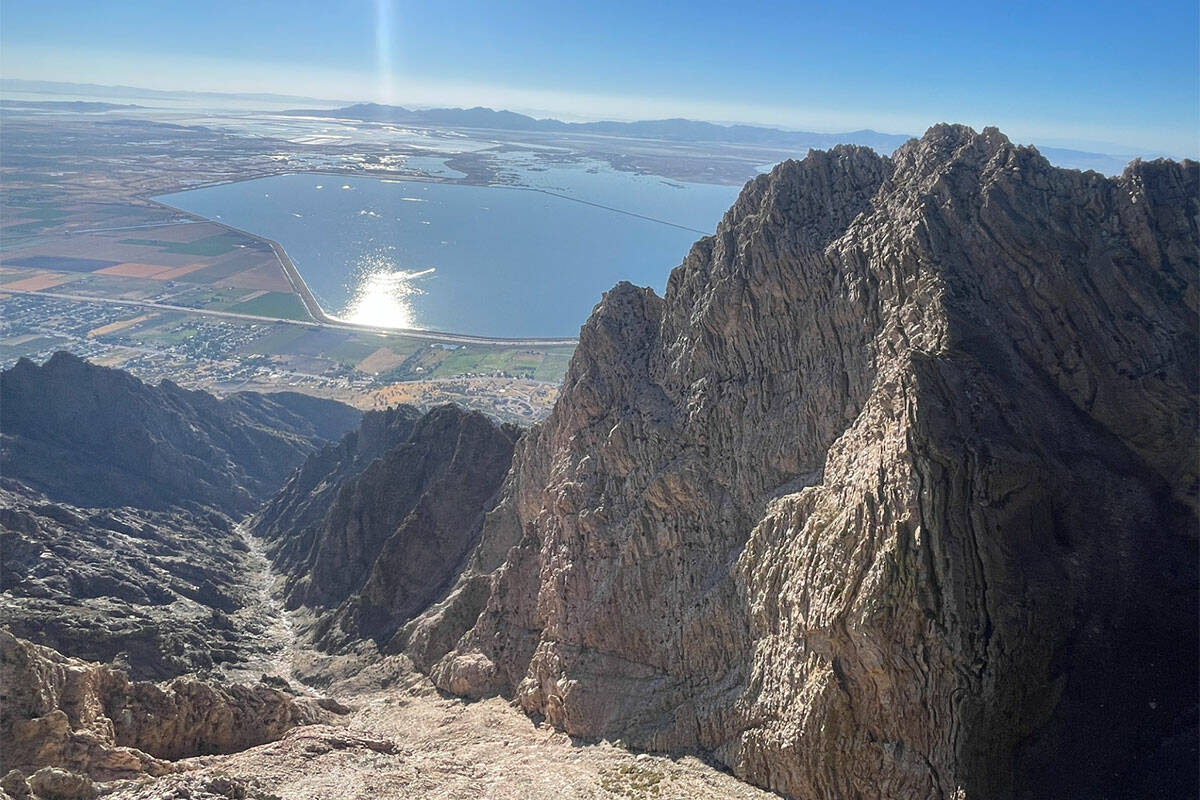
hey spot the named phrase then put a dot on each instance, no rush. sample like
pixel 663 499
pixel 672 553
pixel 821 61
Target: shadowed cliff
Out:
pixel 372 530
pixel 93 436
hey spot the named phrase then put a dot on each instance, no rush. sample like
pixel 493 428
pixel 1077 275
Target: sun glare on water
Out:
pixel 383 295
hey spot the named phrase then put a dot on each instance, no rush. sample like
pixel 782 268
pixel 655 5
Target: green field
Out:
pixel 216 245
pixel 351 352
pixel 282 305
pixel 553 366
pixel 546 365
pixel 159 335
pixel 279 337
pixel 43 213
pixel 33 346
pixel 43 217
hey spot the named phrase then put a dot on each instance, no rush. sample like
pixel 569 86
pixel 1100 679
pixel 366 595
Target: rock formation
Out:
pixel 154 573
pixel 93 436
pixel 290 520
pixel 161 592
pixel 372 530
pixel 153 578
pixel 892 495
pixel 91 719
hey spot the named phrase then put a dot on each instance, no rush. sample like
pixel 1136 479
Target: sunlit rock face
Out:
pixel 892 495
pixel 92 719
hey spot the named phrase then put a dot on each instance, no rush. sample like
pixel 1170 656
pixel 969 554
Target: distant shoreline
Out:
pixel 318 315
pixel 432 179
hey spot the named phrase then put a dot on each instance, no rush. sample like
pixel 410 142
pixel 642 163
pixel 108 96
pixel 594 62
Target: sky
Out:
pixel 1116 77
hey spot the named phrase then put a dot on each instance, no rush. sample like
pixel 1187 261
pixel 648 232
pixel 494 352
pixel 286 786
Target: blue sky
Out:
pixel 1066 73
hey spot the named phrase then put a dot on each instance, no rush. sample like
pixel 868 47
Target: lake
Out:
pixel 485 260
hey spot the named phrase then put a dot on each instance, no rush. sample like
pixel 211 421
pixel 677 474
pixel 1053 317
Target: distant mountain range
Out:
pixel 676 130
pixel 78 106
pixel 24 86
pixel 680 130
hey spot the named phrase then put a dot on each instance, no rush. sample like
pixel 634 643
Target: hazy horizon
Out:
pixel 1039 74
pixel 257 100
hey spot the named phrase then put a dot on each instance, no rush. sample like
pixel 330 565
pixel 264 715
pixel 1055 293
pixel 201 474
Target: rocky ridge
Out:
pixel 98 437
pixel 371 530
pixel 892 495
pixel 115 511
pixel 161 593
pixel 119 548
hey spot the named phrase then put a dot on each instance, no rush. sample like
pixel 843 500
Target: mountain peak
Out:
pixel 888 402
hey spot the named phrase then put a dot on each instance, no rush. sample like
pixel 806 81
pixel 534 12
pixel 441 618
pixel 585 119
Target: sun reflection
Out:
pixel 383 295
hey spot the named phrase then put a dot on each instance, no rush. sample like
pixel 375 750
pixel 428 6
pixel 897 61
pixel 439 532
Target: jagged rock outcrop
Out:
pixel 91 719
pixel 94 436
pixel 371 531
pixel 893 495
pixel 291 519
pixel 154 578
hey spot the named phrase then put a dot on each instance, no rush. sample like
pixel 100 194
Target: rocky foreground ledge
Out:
pixel 91 719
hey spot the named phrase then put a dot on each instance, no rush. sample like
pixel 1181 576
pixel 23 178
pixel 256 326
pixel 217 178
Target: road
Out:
pixel 326 322
pixel 135 227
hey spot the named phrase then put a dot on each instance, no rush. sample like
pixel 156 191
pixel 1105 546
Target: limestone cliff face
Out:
pixel 893 495
pixel 370 531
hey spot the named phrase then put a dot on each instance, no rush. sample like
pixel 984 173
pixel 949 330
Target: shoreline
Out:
pixel 313 308
pixel 412 333
pixel 435 179
pixel 318 315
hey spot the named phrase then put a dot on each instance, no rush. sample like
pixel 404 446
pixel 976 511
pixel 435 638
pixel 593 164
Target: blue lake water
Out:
pixel 487 260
